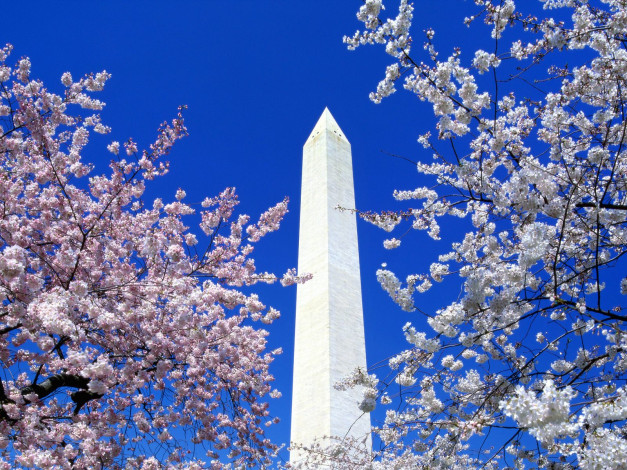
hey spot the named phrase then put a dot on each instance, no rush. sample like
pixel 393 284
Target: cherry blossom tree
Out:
pixel 527 367
pixel 126 339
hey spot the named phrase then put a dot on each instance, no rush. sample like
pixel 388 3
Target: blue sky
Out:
pixel 255 76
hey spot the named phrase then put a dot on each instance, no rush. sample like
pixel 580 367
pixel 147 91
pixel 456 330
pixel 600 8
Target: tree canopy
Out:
pixel 127 340
pixel 526 367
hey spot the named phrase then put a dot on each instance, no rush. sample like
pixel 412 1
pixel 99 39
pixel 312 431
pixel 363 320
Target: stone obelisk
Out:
pixel 329 342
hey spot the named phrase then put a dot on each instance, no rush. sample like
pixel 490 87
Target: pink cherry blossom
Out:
pixel 125 341
pixel 524 365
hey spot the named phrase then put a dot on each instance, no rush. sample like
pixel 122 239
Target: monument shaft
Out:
pixel 329 341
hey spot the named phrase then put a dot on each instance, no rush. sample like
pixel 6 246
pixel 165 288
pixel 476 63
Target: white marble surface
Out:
pixel 329 342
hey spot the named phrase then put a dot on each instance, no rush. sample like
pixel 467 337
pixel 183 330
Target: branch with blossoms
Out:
pixel 125 337
pixel 527 367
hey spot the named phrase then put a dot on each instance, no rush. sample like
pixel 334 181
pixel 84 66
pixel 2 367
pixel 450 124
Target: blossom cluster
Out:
pixel 527 152
pixel 125 339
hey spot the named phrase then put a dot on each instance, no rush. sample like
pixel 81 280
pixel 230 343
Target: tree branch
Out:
pixel 52 384
pixel 57 381
pixel 620 207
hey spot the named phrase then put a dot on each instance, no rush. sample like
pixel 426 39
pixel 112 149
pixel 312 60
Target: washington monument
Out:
pixel 329 341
